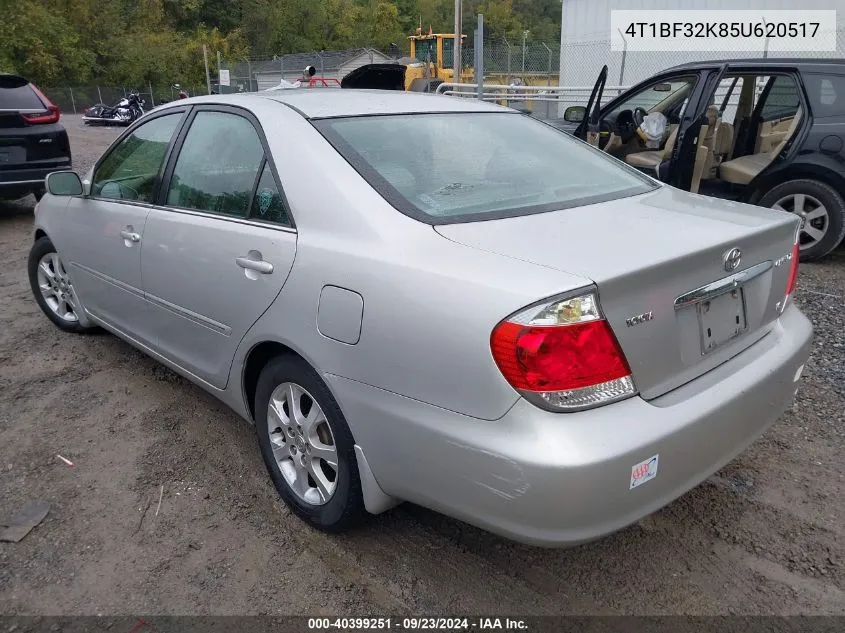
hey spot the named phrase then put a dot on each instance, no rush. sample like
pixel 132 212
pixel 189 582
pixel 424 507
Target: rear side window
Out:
pixel 827 94
pixel 16 95
pixel 456 167
pixel 217 165
pixel 267 203
pixel 782 100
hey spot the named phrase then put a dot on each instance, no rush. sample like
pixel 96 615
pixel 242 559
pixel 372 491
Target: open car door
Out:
pixel 688 154
pixel 588 130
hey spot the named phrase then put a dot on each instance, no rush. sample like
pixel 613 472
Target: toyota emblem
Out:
pixel 732 259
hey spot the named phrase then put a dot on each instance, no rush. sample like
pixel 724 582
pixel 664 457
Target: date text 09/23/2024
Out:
pixel 414 624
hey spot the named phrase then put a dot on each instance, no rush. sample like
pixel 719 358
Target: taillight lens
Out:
pixel 52 114
pixel 562 355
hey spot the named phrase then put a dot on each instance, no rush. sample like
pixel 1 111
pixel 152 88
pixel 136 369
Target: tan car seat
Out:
pixel 744 169
pixel 651 159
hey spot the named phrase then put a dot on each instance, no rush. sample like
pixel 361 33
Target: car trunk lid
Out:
pixel 659 261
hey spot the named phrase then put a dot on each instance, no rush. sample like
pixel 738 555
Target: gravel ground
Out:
pixel 763 536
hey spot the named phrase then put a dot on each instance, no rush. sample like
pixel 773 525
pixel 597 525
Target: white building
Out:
pixel 331 65
pixel 585 38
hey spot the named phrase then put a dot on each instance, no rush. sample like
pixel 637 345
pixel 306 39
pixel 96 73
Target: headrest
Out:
pixel 712 115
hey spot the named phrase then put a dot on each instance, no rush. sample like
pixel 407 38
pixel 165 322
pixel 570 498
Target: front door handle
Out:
pixel 130 235
pixel 258 265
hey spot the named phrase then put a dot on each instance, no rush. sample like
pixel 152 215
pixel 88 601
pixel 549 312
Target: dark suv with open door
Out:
pixel 32 141
pixel 766 131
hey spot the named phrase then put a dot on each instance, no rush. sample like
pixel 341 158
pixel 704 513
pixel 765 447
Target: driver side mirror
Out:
pixel 575 114
pixel 64 183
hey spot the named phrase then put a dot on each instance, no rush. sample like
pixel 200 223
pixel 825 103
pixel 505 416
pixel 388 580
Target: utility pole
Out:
pixel 524 38
pixel 459 28
pixel 207 76
pixel 219 88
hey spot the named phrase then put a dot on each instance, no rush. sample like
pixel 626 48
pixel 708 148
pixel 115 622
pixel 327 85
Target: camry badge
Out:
pixel 640 318
pixel 732 259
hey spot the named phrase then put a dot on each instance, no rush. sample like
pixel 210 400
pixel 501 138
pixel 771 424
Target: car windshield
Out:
pixel 455 167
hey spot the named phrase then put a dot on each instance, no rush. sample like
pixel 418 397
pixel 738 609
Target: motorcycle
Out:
pixel 125 111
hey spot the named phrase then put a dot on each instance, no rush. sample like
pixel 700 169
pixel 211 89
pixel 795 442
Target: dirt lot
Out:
pixel 765 535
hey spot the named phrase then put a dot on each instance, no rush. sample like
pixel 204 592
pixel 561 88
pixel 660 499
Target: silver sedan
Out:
pixel 426 299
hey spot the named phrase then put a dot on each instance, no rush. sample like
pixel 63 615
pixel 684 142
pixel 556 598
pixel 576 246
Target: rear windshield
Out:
pixel 15 97
pixel 456 167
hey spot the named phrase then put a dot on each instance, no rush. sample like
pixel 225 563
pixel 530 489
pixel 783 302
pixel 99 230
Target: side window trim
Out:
pixel 164 163
pixel 255 184
pixel 175 150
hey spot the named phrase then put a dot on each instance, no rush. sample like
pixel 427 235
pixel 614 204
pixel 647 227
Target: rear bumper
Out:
pixel 30 177
pixel 562 479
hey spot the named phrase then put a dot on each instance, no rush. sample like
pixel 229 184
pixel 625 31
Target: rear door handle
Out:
pixel 258 265
pixel 129 235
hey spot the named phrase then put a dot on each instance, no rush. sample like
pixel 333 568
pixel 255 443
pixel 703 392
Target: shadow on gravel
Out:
pixel 16 208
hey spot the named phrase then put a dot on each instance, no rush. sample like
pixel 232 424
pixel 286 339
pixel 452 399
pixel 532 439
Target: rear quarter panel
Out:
pixel 430 304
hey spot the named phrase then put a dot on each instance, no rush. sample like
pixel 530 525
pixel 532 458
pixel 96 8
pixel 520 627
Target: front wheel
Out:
pixel 52 287
pixel 822 212
pixel 307 446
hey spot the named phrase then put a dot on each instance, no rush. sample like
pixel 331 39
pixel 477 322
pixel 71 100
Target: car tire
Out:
pixel 817 193
pixel 282 445
pixel 48 293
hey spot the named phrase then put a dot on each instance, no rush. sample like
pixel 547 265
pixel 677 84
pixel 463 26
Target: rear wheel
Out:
pixel 821 209
pixel 52 287
pixel 307 446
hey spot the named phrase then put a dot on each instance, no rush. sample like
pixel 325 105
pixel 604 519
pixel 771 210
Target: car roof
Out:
pixel 798 62
pixel 320 103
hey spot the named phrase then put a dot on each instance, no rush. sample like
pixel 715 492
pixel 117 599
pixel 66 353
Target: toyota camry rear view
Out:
pixel 418 298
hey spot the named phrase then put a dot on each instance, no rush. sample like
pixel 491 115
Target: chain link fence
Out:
pixel 76 99
pixel 532 63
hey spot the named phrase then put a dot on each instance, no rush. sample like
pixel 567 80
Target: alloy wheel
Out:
pixel 303 445
pixel 814 217
pixel 56 288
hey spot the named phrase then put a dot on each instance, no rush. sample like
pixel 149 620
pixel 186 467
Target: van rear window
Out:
pixel 16 95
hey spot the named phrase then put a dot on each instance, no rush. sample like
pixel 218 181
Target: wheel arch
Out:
pixel 256 359
pixel 376 500
pixel 797 171
pixel 39 233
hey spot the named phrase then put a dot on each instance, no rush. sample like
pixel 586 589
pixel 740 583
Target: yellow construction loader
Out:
pixel 430 64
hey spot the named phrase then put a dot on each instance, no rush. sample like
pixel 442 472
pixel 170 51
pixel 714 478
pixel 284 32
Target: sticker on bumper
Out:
pixel 644 471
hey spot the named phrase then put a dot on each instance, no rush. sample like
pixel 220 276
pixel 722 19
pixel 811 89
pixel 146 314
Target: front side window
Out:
pixel 507 164
pixel 426 50
pixel 217 165
pixel 130 170
pixel 659 97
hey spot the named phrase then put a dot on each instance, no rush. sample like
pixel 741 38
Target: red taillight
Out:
pixel 793 273
pixel 561 357
pixel 52 114
pixel 558 357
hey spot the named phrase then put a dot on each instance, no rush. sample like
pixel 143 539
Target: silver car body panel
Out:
pixel 433 418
